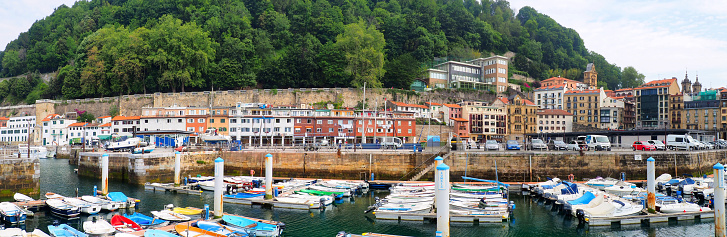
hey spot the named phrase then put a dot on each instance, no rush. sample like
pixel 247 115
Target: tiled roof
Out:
pixel 452 105
pixel 625 89
pixel 656 84
pixel 408 105
pixel 79 124
pixel 504 100
pixel 554 112
pixel 105 125
pixel 582 91
pixel 558 79
pixel 433 104
pixel 550 87
pixel 4 118
pixel 528 102
pixel 49 117
pixel 119 118
pixel 459 119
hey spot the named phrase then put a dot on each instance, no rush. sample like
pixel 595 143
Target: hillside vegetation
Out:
pixel 115 47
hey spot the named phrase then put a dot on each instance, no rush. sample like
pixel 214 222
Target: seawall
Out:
pixel 19 176
pixel 511 166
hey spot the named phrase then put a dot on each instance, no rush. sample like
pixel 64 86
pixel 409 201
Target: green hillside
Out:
pixel 114 47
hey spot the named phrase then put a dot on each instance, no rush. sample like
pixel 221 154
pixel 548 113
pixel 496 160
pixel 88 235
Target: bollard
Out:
pixel 105 173
pixel 650 185
pixel 442 193
pixel 219 183
pixel 719 221
pixel 177 167
pixel 275 191
pixel 206 211
pixel 372 176
pixel 268 176
pixel 437 161
pixel 95 190
pixel 185 181
pixel 438 234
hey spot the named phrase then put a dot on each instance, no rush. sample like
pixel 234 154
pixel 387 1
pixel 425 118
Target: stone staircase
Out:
pixel 427 169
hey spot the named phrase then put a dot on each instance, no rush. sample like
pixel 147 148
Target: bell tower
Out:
pixel 697 87
pixel 590 76
pixel 686 84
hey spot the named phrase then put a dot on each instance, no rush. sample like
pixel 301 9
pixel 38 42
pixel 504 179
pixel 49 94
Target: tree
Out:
pixel 631 78
pixel 180 51
pixel 364 49
pixel 85 116
pixel 12 62
pixel 401 72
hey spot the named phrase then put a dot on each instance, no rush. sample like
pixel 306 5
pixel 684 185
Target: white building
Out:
pixel 55 130
pixel 17 129
pixel 554 121
pixel 163 119
pixel 550 97
pixel 611 113
pixel 420 111
pixel 255 124
pixel 125 124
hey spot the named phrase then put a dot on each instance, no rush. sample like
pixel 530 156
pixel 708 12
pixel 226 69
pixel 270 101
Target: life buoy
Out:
pixel 252 172
pixel 571 177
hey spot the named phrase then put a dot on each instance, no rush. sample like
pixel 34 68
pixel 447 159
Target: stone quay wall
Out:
pixel 511 166
pixel 19 176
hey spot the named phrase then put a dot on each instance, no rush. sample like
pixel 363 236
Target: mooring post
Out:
pixel 437 161
pixel 177 167
pixel 650 185
pixel 219 183
pixel 442 194
pixel 719 221
pixel 268 176
pixel 105 173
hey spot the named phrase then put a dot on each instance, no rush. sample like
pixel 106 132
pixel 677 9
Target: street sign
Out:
pixel 637 157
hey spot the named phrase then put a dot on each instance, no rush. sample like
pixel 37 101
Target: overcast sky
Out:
pixel 661 39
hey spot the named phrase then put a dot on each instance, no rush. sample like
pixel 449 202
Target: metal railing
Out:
pixel 428 162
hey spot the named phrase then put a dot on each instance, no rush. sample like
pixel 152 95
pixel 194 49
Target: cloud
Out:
pixel 660 39
pixel 18 16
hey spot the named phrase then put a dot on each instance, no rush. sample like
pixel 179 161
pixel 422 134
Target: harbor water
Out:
pixel 529 218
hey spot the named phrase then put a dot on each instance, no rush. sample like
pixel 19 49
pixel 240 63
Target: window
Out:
pixel 319 121
pixel 318 130
pixel 179 120
pixel 297 120
pixel 330 121
pixel 190 120
pixel 233 120
pixel 212 120
pixel 297 130
pixel 330 129
pixel 222 120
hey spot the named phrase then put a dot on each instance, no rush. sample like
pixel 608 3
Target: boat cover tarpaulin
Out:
pixel 117 197
pixel 485 180
pixel 572 189
pixel 586 198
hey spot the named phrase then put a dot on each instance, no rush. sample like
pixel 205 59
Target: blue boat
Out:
pixel 244 195
pixel 146 221
pixel 64 230
pixel 158 233
pixel 222 229
pixel 121 198
pixel 260 228
pixel 11 213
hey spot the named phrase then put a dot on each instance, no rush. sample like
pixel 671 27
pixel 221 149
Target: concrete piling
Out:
pixel 105 173
pixel 719 198
pixel 268 176
pixel 650 185
pixel 442 195
pixel 177 167
pixel 219 185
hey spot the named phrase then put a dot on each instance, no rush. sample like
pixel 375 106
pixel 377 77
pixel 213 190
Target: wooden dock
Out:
pixel 170 227
pixel 433 216
pixel 169 187
pixel 31 205
pixel 650 218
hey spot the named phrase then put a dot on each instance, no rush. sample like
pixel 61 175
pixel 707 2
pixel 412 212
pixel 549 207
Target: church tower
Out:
pixel 686 84
pixel 697 87
pixel 590 76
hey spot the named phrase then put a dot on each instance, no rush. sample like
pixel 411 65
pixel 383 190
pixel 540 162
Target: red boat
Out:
pixel 124 224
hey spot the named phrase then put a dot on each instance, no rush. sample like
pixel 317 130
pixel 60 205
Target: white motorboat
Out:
pixel 61 208
pixel 211 135
pixel 98 227
pixel 50 195
pixel 327 200
pixel 105 204
pixel 123 141
pixel 19 197
pixel 86 207
pixel 682 207
pixel 601 183
pixel 207 185
pixel 405 208
pixel 613 208
pixel 622 189
pixel 169 216
pixel 36 152
pixel 11 213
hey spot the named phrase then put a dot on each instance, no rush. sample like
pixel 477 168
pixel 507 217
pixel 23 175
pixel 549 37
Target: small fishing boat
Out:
pixel 61 208
pixel 86 207
pixel 326 200
pixel 682 207
pixel 146 149
pixel 64 230
pixel 169 216
pixel 245 195
pixel 158 233
pixel 222 229
pixel 98 227
pixel 124 224
pixel 601 183
pixel 185 230
pixel 260 228
pixel 207 185
pixel 321 193
pixel 187 211
pixel 11 213
pixel 105 204
pixel 50 195
pixel 38 233
pixel 146 221
pixel 19 197
pixel 121 199
pixel 200 179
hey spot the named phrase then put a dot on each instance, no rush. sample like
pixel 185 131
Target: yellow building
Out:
pixel 219 119
pixel 521 116
pixel 584 105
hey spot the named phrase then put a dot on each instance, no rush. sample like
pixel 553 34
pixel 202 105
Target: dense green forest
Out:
pixel 115 47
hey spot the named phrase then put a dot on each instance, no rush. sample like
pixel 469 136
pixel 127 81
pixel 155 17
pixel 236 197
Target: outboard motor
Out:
pixel 169 207
pixel 668 189
pixel 581 215
pixel 323 203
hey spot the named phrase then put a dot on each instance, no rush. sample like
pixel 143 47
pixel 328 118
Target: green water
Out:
pixel 529 219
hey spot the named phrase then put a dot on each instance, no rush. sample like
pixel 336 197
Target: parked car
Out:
pixel 473 144
pixel 643 146
pixel 708 145
pixel 715 145
pixel 658 144
pixel 701 145
pixel 575 146
pixel 513 145
pixel 537 144
pixel 492 145
pixel 556 145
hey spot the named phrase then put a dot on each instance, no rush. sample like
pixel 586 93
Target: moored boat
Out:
pixel 260 228
pixel 61 208
pixel 169 216
pixel 105 204
pixel 146 221
pixel 86 207
pixel 158 233
pixel 64 230
pixel 19 197
pixel 11 213
pixel 185 230
pixel 123 224
pixel 98 227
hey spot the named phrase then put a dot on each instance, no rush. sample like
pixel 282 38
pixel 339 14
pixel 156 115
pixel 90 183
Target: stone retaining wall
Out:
pixel 19 176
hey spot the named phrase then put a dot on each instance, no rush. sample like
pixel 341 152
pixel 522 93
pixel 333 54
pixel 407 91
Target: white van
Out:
pixel 682 142
pixel 594 141
pixel 391 142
